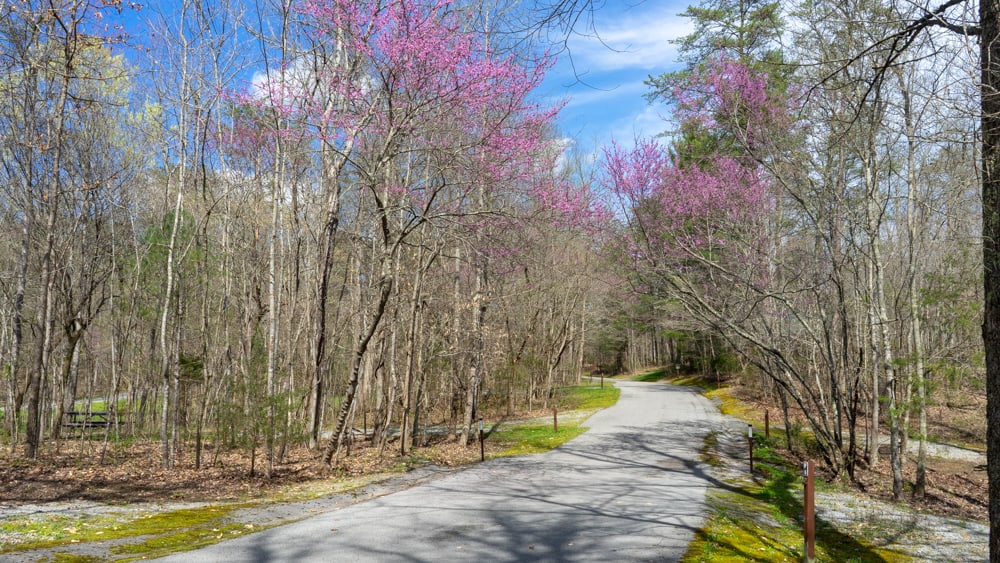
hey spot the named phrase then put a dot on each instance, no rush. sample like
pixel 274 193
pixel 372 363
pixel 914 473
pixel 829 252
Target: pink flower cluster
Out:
pixel 678 211
pixel 728 95
pixel 408 82
pixel 680 214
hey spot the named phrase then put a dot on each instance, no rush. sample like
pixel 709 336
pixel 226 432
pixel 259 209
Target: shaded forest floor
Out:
pixel 67 477
pixel 69 470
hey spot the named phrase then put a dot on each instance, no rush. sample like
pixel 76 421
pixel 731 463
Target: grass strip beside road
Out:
pixel 760 519
pixel 574 406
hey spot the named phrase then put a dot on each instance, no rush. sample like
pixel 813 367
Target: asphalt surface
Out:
pixel 632 488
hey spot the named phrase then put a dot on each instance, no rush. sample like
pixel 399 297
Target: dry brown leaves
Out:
pixel 134 473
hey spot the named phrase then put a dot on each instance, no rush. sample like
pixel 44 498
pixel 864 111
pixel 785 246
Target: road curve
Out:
pixel 631 488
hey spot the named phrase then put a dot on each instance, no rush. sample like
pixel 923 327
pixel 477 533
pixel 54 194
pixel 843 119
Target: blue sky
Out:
pixel 607 99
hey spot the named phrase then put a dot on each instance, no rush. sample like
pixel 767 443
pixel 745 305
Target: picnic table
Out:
pixel 88 419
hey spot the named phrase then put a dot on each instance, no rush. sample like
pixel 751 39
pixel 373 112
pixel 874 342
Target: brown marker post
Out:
pixel 750 445
pixel 767 424
pixel 555 421
pixel 482 442
pixel 808 513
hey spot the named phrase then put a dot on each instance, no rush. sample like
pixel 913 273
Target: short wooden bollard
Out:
pixel 808 512
pixel 555 420
pixel 767 424
pixel 750 445
pixel 482 442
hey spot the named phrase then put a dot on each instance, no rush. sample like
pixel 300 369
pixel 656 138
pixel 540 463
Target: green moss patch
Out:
pixel 762 521
pixel 184 539
pixel 165 531
pixel 52 531
pixel 73 558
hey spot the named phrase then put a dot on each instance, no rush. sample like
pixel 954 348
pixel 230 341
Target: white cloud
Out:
pixel 564 146
pixel 630 91
pixel 649 121
pixel 637 38
pixel 282 85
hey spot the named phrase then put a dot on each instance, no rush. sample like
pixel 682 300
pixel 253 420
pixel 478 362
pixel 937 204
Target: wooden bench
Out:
pixel 88 419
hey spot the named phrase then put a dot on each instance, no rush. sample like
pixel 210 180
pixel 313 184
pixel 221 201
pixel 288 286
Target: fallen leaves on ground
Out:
pixel 71 471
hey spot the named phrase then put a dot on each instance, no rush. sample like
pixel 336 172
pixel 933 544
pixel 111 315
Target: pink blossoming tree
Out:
pixel 700 223
pixel 422 123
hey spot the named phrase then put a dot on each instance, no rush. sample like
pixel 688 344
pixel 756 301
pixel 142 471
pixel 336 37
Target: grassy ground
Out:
pixel 544 434
pixel 760 519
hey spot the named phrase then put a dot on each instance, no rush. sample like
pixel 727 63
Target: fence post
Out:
pixel 808 512
pixel 482 445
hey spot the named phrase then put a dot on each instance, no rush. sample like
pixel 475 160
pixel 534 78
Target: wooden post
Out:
pixel 555 420
pixel 767 424
pixel 482 444
pixel 750 445
pixel 808 510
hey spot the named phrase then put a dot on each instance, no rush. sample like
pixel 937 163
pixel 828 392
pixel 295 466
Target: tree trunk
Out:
pixel 989 43
pixel 272 312
pixel 69 375
pixel 412 340
pixel 331 180
pixel 15 396
pixel 337 439
pixel 164 347
pixel 476 358
pixel 36 379
pixel 916 339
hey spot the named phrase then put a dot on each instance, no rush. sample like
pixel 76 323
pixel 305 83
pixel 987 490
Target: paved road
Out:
pixel 630 489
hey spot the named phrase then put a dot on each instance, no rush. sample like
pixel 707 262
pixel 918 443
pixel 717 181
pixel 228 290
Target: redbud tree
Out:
pixel 694 211
pixel 422 120
pixel 704 224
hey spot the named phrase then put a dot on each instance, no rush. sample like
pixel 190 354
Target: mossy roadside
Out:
pixel 133 532
pixel 760 518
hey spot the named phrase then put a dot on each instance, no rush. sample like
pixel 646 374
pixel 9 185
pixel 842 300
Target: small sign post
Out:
pixel 750 445
pixel 767 424
pixel 482 446
pixel 808 512
pixel 555 420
